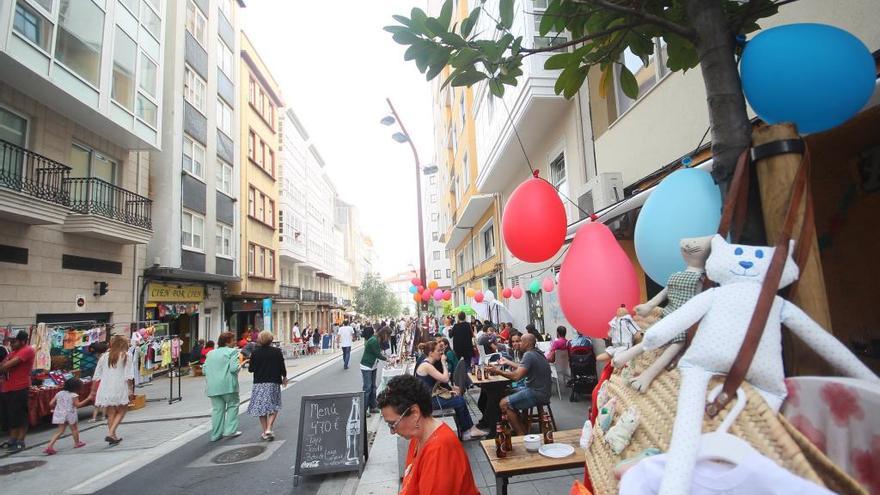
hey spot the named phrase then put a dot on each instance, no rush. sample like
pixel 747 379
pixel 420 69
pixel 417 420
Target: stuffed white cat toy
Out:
pixel 724 314
pixel 619 436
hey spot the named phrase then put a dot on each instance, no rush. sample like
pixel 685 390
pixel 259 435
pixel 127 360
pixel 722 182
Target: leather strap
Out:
pixel 800 189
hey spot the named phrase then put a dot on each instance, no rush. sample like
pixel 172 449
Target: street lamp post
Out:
pixel 404 137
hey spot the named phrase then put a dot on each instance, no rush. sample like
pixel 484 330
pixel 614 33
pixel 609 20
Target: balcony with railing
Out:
pixel 290 293
pixel 32 187
pixel 325 297
pixel 105 211
pixel 309 296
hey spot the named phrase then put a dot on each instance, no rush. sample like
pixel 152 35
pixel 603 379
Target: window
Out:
pixel 131 5
pixel 86 162
pixel 196 23
pixel 151 21
pixel 432 179
pixel 435 217
pixel 261 153
pixel 80 39
pixel 433 198
pixel 146 110
pixel 224 117
pixel 224 240
pixel 13 129
pixel 436 255
pixel 270 267
pixel 46 4
pixel 252 196
pixel 194 90
pixel 647 76
pixel 147 77
pixel 261 206
pixel 226 8
pixel 270 162
pixel 435 236
pixel 448 273
pixel 225 59
pixel 270 212
pixel 261 263
pixel 488 238
pixel 224 177
pixel 33 26
pixel 251 261
pixel 557 173
pixel 281 224
pixel 124 60
pixel 192 230
pixel 252 92
pixel 193 157
pixel 252 145
pixel 437 274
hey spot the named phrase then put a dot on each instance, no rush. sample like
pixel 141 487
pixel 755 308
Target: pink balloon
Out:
pixel 506 293
pixel 438 294
pixel 517 292
pixel 596 278
pixel 534 221
pixel 427 294
pixel 547 284
pixel 479 296
pixel 447 295
pixel 416 282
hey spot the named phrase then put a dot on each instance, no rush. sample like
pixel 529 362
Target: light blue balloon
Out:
pixel 814 75
pixel 413 289
pixel 685 204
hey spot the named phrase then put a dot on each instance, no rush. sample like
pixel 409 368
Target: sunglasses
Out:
pixel 393 426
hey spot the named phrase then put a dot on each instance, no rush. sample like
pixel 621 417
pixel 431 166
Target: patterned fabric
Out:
pixel 265 399
pixel 681 287
pixel 835 414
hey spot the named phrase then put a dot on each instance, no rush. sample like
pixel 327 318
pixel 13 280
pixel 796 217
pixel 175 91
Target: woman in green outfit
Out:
pixel 221 371
pixel 369 364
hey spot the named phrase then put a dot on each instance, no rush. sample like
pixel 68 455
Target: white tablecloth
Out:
pixel 388 373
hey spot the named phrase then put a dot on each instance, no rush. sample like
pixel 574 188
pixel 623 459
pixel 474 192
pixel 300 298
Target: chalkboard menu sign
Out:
pixel 332 434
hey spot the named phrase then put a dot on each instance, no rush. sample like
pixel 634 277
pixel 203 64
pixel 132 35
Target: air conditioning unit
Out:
pixel 601 192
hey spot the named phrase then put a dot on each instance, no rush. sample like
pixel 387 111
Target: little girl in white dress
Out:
pixel 65 403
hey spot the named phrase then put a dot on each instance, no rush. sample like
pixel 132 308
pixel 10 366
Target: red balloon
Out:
pixel 534 222
pixel 479 296
pixel 517 292
pixel 447 295
pixel 506 293
pixel 416 282
pixel 596 278
pixel 427 294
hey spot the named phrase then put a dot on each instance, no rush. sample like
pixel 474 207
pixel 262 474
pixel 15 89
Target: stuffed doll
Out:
pixel 619 436
pixel 724 313
pixel 622 331
pixel 680 288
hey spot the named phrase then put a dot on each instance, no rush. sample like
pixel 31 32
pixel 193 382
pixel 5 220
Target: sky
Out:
pixel 336 66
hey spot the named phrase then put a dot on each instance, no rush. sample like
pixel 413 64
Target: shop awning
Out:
pixel 624 206
pixel 473 210
pixel 181 275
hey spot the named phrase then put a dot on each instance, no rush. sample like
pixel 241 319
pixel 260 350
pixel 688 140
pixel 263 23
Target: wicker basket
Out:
pixel 767 431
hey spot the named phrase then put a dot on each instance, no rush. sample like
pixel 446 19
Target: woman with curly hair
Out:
pixel 117 385
pixel 434 449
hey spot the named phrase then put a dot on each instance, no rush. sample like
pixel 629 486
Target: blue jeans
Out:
pixel 462 415
pixel 346 354
pixel 369 377
pixel 524 399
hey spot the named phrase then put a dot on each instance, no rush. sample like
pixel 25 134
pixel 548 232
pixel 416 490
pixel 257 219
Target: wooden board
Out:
pixel 332 434
pixel 520 461
pixel 492 379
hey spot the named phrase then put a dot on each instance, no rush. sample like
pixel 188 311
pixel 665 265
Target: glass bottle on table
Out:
pixel 546 428
pixel 508 432
pixel 500 442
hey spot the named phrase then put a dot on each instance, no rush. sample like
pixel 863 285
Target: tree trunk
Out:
pixel 731 130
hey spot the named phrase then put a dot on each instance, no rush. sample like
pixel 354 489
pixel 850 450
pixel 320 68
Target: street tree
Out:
pixel 391 306
pixel 372 297
pixel 696 32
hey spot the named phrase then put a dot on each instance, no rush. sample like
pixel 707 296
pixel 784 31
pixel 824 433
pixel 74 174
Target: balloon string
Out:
pixel 545 269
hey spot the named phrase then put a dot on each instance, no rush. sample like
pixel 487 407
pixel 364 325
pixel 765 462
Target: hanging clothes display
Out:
pixel 175 348
pixel 42 343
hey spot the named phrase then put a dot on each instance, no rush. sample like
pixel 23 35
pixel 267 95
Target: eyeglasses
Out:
pixel 393 426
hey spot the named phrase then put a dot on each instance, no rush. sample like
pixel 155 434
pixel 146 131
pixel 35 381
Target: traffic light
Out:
pixel 101 288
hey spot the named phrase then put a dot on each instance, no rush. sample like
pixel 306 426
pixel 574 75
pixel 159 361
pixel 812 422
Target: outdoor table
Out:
pixel 521 462
pixel 492 380
pixel 388 373
pixel 39 397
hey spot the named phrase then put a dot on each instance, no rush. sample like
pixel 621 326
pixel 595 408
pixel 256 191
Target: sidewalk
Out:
pixel 148 433
pixel 382 476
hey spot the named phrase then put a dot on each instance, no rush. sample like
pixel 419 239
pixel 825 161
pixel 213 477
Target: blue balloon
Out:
pixel 687 203
pixel 814 75
pixel 413 289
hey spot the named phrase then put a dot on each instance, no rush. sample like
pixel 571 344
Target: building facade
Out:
pixel 194 180
pixel 260 135
pixel 399 284
pixel 79 106
pixel 437 265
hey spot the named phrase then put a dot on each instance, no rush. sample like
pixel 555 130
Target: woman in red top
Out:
pixel 208 348
pixel 435 454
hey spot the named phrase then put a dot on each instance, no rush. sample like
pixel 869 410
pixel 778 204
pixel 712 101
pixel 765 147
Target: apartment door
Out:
pixel 13 130
pixel 536 310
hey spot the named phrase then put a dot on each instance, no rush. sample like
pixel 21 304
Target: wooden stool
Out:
pixel 533 416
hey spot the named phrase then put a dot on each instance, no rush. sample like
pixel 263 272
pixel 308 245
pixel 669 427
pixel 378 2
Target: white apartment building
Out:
pixel 318 232
pixel 437 265
pixel 79 104
pixel 399 284
pixel 195 178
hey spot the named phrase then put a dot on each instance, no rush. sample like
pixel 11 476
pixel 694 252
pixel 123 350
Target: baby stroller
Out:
pixel 582 363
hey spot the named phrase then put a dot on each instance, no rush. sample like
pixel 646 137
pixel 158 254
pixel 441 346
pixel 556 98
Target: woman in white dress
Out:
pixel 117 385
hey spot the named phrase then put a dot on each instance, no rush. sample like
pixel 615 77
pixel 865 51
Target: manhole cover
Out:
pixel 238 455
pixel 18 467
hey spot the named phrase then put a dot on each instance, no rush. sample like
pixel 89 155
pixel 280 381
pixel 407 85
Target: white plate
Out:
pixel 556 450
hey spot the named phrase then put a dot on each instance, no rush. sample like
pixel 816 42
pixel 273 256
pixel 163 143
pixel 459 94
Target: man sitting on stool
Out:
pixel 536 370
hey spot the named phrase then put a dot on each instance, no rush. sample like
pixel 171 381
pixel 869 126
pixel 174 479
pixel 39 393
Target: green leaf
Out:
pixel 403 20
pixel 496 88
pixel 405 38
pixel 468 78
pixel 558 61
pixel 395 29
pixel 419 21
pixel 605 80
pixel 628 83
pixel 505 8
pixel 681 54
pixel 445 14
pixel 470 22
pixel 434 71
pixel 465 56
pixel 547 23
pixel 435 26
pixel 575 81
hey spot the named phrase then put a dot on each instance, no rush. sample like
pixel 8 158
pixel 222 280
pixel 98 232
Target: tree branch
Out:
pixel 622 27
pixel 647 17
pixel 738 21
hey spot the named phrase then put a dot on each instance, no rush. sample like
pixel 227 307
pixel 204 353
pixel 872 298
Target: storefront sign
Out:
pixel 267 314
pixel 175 293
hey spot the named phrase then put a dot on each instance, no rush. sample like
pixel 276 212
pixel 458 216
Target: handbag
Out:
pixel 765 429
pixel 442 392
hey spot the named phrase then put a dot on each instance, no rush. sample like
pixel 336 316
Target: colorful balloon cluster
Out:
pixel 432 291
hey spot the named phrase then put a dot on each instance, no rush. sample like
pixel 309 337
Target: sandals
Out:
pixel 268 436
pixel 50 451
pixel 79 445
pixel 112 441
